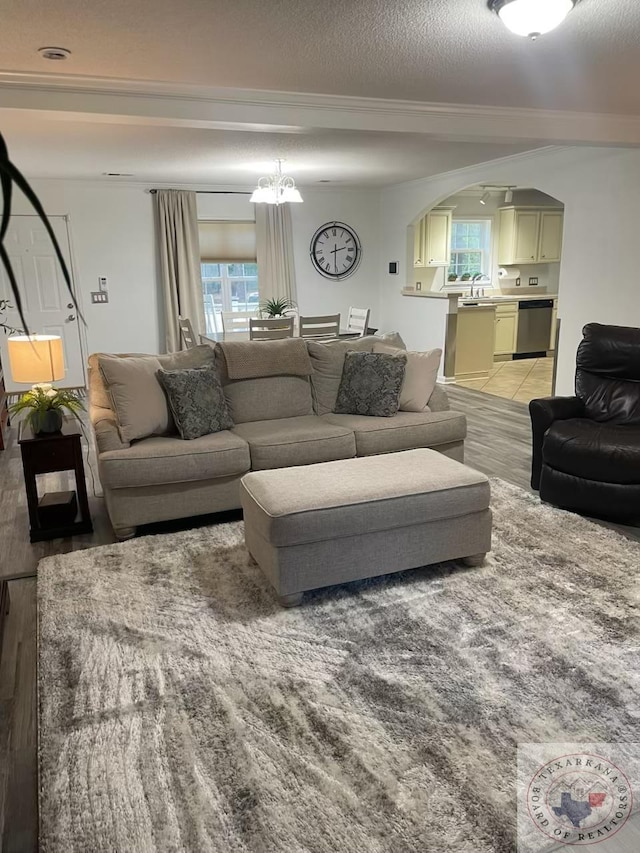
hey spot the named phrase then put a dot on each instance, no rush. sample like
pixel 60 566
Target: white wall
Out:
pixel 112 234
pixel 360 210
pixel 600 189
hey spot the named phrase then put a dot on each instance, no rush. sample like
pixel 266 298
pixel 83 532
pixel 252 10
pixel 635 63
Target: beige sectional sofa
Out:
pixel 279 421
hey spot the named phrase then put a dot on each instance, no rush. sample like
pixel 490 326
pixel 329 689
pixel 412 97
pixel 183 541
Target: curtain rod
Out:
pixel 214 192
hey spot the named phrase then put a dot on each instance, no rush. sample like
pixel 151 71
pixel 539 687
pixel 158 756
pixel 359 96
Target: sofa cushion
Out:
pixel 200 356
pixel 286 442
pixel 196 401
pixel 268 398
pixel 370 384
pixel 136 396
pixel 607 453
pixel 256 359
pixel 404 431
pixel 327 360
pixel 420 377
pixel 169 459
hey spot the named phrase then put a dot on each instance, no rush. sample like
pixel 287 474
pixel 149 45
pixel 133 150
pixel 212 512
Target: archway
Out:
pixel 500 248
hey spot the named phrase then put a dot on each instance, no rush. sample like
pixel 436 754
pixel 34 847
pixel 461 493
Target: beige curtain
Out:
pixel 274 250
pixel 177 230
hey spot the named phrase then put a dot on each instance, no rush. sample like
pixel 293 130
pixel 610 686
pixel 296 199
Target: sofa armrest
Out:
pixel 106 430
pixel 544 412
pixel 439 401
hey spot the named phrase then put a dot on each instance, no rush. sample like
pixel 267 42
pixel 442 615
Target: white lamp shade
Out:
pixel 291 195
pixel 263 195
pixel 534 17
pixel 36 358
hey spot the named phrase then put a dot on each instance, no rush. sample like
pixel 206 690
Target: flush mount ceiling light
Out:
pixel 276 189
pixel 532 18
pixel 56 54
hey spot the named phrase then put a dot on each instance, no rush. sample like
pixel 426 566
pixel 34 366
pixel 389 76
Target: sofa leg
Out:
pixel 292 600
pixel 474 561
pixel 123 533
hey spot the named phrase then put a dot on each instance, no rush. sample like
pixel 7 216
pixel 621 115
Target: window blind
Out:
pixel 227 241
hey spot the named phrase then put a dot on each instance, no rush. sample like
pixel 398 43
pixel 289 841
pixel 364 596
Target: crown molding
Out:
pixel 101 99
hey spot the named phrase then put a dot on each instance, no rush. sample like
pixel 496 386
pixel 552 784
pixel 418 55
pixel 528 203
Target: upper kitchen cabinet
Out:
pixel 529 236
pixel 432 239
pixel 550 247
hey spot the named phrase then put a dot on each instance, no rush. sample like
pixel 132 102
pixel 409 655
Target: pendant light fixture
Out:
pixel 276 189
pixel 531 18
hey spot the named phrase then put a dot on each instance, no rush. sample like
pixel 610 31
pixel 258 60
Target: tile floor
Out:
pixel 520 380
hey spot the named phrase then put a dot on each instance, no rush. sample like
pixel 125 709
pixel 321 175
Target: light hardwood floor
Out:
pixel 498 444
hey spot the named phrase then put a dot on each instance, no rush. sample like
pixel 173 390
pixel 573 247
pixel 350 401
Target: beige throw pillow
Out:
pixel 327 360
pixel 136 395
pixel 420 377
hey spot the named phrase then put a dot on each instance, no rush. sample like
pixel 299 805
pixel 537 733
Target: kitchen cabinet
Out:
pixel 550 246
pixel 506 328
pixel 529 236
pixel 432 239
pixel 474 341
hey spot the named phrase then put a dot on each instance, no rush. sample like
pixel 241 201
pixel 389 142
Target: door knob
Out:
pixel 70 305
pixel 71 317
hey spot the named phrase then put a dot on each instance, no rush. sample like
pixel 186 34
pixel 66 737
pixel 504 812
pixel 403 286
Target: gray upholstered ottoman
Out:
pixel 334 522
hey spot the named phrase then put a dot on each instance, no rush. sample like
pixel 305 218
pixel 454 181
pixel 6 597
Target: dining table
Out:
pixel 217 337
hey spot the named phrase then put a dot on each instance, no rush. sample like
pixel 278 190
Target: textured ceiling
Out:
pixel 427 50
pixel 45 147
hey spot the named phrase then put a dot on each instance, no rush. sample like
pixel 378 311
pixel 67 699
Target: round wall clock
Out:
pixel 335 250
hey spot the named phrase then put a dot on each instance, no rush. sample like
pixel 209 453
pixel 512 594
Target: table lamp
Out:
pixel 36 358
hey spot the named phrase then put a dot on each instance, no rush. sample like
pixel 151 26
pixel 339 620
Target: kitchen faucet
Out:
pixel 477 277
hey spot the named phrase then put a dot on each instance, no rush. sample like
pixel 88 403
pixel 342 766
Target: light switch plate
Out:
pixel 99 297
pixel 533 279
pixel 418 285
pixel 393 268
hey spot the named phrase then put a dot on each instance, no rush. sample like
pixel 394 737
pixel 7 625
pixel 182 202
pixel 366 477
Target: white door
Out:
pixel 46 301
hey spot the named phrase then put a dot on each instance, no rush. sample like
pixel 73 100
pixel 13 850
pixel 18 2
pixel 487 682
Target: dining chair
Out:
pixel 236 321
pixel 358 321
pixel 327 326
pixel 270 329
pixel 186 333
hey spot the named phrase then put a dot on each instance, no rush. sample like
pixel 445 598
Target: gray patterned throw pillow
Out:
pixel 370 384
pixel 196 400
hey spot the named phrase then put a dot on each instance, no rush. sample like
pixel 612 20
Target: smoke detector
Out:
pixel 56 54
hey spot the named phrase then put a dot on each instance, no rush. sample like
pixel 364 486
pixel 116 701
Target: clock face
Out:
pixel 335 250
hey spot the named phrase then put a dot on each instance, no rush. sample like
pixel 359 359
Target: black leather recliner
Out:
pixel 586 449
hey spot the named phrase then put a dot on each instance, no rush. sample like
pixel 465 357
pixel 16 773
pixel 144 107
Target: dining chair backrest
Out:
pixel 327 326
pixel 358 320
pixel 186 333
pixel 270 329
pixel 236 321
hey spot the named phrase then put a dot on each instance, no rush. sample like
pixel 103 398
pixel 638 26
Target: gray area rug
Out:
pixel 181 709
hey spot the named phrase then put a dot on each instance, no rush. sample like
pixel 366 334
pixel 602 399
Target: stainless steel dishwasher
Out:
pixel 534 327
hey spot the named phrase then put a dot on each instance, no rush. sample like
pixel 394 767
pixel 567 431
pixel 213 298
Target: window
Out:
pixel 228 268
pixel 470 247
pixel 228 287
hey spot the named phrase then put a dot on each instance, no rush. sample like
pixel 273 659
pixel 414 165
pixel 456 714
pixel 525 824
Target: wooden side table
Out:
pixel 46 454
